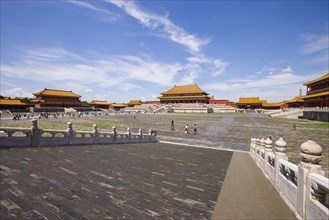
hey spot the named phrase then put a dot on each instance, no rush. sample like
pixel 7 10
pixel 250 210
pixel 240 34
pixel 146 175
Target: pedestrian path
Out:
pixel 247 194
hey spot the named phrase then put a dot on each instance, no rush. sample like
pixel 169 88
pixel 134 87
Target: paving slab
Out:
pixel 247 194
pixel 127 181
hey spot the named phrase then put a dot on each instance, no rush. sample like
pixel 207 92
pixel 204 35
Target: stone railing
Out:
pixel 192 108
pixel 304 188
pixel 221 108
pixel 34 136
pixel 318 109
pixel 287 112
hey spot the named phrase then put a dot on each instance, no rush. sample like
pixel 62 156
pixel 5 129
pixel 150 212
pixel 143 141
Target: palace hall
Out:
pixel 56 98
pixel 317 93
pixel 184 94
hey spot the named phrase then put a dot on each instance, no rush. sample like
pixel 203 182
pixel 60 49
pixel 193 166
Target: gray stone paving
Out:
pixel 133 181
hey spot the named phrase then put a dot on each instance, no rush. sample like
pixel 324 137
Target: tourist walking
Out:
pixel 186 129
pixel 195 128
pixel 172 128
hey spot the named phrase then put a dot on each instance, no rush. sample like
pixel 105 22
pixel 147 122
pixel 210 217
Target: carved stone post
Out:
pixel 311 155
pixel 268 145
pixel 114 130
pixel 262 147
pixel 96 134
pixel 257 147
pixel 150 135
pixel 280 153
pixel 70 133
pixel 268 150
pixel 252 147
pixel 34 133
pixel 140 133
pixel 129 134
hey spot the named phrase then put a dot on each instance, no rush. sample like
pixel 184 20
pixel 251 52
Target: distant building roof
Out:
pixel 119 105
pixel 53 92
pixel 11 102
pixel 277 104
pixel 326 76
pixel 296 99
pixel 98 102
pixel 250 100
pixel 135 102
pixel 192 89
pixel 182 97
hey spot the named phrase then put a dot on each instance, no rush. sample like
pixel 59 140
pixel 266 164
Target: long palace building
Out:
pixel 317 93
pixel 184 94
pixel 56 98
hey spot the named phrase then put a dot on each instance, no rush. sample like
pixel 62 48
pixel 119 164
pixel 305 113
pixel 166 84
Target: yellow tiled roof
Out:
pixel 277 104
pixel 134 102
pixel 119 105
pixel 315 95
pixel 317 80
pixel 183 97
pixel 97 102
pixel 250 100
pixel 53 92
pixel 296 99
pixel 11 102
pixel 37 101
pixel 184 90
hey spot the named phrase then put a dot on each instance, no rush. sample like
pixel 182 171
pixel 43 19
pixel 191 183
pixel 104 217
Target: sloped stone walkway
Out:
pixel 247 194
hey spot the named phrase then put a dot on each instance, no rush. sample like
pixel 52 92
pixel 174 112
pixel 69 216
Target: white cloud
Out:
pixel 315 43
pixel 163 25
pixel 214 67
pixel 272 85
pixel 79 73
pixel 16 92
pixel 110 16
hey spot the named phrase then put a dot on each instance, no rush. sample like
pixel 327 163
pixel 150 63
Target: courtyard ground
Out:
pixel 231 131
pixel 122 181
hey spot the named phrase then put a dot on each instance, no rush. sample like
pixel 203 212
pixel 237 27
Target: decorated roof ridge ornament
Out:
pixel 311 152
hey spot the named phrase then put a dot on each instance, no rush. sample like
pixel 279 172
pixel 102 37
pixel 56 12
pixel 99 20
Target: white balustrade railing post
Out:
pixel 252 146
pixel 114 130
pixel 280 153
pixel 128 134
pixel 70 133
pixel 262 153
pixel 268 148
pixel 35 134
pixel 311 155
pixel 140 133
pixel 257 148
pixel 96 133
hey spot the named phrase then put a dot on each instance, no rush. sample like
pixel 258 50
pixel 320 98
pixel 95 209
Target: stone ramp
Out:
pixel 247 194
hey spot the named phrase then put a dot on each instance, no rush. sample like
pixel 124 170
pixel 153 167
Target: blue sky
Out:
pixel 123 50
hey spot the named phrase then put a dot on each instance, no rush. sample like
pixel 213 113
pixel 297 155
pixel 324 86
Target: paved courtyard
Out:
pixel 132 181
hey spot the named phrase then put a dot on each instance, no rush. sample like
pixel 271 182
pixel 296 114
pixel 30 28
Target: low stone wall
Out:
pixel 317 114
pixel 34 136
pixel 304 187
